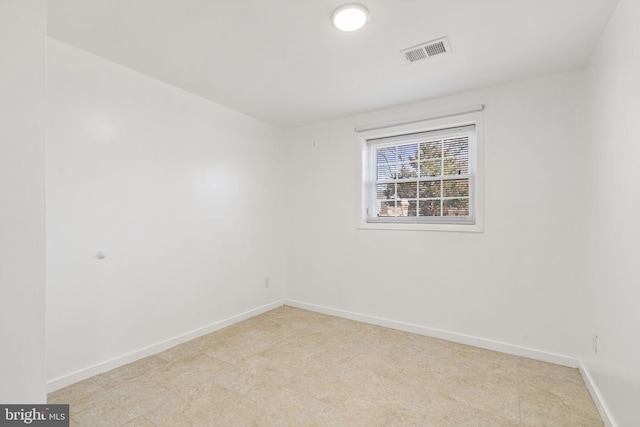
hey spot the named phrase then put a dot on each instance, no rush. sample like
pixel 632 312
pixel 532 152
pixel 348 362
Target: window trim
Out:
pixel 428 125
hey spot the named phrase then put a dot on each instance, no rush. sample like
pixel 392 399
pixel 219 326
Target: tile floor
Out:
pixel 291 367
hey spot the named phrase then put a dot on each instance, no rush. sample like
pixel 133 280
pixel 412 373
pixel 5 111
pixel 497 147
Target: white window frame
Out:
pixel 476 151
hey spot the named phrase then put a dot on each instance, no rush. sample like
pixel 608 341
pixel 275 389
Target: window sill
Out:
pixel 474 228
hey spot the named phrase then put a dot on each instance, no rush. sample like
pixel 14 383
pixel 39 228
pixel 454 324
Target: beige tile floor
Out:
pixel 291 367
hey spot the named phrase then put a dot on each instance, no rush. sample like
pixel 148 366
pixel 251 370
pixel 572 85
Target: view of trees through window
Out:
pixel 428 178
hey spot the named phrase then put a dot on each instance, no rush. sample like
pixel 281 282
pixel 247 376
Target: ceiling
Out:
pixel 281 61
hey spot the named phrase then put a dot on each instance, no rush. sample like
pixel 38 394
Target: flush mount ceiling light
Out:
pixel 350 17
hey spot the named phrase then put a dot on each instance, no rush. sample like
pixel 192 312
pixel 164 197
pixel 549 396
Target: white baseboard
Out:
pixel 605 413
pixel 558 359
pixel 502 347
pixel 82 374
pixel 515 350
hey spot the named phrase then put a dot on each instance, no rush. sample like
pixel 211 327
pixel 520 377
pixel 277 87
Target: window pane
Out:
pixel 386 171
pixel 408 170
pixel 456 207
pixel 429 207
pixel 430 150
pixel 387 155
pixel 455 188
pixel 407 190
pixel 413 208
pixel 407 153
pixel 429 189
pixel 456 165
pixel 385 191
pixel 456 147
pixel 407 161
pixel 405 207
pixel 387 208
pixel 386 163
pixel 431 168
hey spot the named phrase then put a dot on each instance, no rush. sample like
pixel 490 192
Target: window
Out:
pixel 422 178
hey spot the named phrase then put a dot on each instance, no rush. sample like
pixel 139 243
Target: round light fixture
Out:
pixel 350 17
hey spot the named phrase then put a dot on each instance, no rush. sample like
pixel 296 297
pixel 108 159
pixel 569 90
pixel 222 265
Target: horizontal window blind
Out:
pixel 426 177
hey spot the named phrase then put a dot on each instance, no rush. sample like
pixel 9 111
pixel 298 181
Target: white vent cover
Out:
pixel 426 50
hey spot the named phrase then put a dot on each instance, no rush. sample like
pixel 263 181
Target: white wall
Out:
pixel 22 207
pixel 612 294
pixel 183 196
pixel 514 283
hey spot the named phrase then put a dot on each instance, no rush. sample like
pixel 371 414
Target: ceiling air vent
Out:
pixel 427 50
